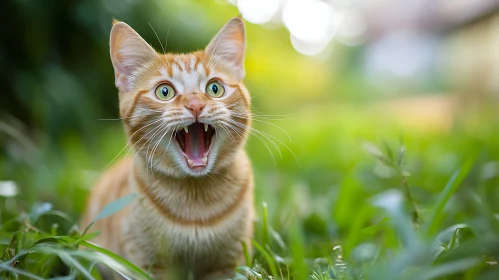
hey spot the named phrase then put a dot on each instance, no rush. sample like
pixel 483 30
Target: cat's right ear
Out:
pixel 129 52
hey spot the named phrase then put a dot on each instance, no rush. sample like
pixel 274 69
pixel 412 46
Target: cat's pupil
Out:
pixel 214 88
pixel 164 91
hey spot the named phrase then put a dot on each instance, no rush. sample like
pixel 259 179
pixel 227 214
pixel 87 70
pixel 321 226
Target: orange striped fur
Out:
pixel 185 219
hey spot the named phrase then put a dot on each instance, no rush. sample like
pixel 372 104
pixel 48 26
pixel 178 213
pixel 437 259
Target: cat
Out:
pixel 187 117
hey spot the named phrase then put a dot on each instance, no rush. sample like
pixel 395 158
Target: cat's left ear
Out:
pixel 228 46
pixel 129 53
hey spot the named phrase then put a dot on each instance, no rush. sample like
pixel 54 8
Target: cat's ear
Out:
pixel 229 45
pixel 129 52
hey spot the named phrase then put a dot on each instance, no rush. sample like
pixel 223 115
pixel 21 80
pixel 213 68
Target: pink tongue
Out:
pixel 194 143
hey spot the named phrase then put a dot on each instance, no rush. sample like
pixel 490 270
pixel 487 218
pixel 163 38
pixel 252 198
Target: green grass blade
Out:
pixel 267 256
pixel 11 269
pixel 130 267
pixel 450 188
pixel 449 268
pixel 265 225
pixel 297 243
pixel 72 262
pixel 247 257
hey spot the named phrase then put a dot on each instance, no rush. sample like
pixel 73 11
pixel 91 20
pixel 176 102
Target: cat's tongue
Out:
pixel 194 144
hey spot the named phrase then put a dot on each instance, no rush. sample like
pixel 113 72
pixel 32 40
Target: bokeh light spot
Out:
pixel 258 11
pixel 308 20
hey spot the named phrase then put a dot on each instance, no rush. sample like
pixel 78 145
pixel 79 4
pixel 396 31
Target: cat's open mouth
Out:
pixel 195 142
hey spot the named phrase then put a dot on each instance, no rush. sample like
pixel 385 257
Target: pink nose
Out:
pixel 195 105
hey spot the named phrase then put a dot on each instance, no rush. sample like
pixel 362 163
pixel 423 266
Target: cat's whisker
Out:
pixel 156 111
pixel 173 130
pixel 230 136
pixel 129 139
pixel 169 141
pixel 129 118
pixel 147 125
pixel 156 129
pixel 210 178
pixel 253 131
pixel 268 136
pixel 164 51
pixel 138 152
pixel 166 39
pixel 255 113
pixel 150 140
pixel 266 117
pixel 239 102
pixel 166 130
pixel 235 128
pixel 239 133
pixel 182 178
pixel 269 123
pixel 162 132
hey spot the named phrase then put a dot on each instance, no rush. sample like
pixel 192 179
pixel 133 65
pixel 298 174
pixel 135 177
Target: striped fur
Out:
pixel 183 220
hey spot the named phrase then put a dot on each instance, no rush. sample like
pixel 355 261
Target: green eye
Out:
pixel 215 89
pixel 165 92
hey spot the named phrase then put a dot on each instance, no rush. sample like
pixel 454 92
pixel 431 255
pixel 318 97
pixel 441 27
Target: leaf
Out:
pixel 350 190
pixel 115 206
pixel 71 262
pixel 449 268
pixel 112 208
pixel 13 270
pixel 265 225
pixel 388 152
pixel 372 149
pixel 267 256
pixel 450 188
pixel 446 235
pixel 39 210
pixel 297 249
pixel 400 158
pixel 278 239
pixel 117 262
pixel 247 256
pixel 65 239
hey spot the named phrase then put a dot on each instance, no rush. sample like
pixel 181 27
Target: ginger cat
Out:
pixel 187 117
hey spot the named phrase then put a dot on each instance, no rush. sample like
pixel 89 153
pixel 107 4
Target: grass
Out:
pixel 360 202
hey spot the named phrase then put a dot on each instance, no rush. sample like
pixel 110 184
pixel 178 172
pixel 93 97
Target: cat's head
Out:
pixel 185 114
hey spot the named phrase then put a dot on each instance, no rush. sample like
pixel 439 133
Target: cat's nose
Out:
pixel 195 105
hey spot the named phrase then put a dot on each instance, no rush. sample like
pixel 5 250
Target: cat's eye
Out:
pixel 215 89
pixel 165 92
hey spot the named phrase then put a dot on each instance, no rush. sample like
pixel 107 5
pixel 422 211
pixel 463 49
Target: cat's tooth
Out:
pixel 186 129
pixel 205 160
pixel 190 162
pixel 205 127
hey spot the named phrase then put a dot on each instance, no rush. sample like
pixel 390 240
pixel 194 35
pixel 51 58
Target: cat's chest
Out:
pixel 173 238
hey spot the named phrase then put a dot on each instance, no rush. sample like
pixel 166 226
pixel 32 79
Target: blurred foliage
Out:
pixel 329 207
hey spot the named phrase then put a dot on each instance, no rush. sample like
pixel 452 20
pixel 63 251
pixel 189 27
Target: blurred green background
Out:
pixel 334 75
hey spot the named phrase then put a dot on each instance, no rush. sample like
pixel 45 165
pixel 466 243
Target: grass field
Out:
pixel 365 196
